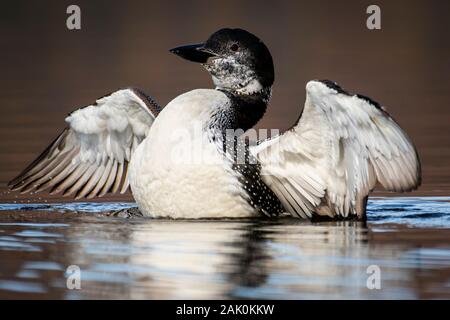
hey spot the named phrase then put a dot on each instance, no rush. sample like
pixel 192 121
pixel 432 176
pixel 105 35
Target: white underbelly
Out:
pixel 167 187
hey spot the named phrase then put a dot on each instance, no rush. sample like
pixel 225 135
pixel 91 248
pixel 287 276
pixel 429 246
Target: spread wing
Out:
pixel 90 157
pixel 342 145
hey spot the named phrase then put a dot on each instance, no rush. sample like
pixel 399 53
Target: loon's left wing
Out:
pixel 342 145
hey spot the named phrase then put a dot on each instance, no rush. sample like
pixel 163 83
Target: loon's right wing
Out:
pixel 342 145
pixel 90 157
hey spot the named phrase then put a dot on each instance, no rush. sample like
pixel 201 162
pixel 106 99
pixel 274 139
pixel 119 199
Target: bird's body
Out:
pixel 179 172
pixel 190 160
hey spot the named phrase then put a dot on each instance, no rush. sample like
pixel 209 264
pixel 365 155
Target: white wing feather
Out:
pixel 342 145
pixel 90 157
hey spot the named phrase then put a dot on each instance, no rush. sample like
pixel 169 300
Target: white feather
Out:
pixel 96 147
pixel 341 146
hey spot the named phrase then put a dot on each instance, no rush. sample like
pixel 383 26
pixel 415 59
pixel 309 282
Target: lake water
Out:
pixel 408 239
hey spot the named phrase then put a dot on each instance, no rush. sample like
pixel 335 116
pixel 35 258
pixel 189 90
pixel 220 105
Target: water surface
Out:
pixel 407 238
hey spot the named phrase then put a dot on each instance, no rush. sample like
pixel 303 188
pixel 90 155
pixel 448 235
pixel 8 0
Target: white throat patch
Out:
pixel 253 86
pixel 228 74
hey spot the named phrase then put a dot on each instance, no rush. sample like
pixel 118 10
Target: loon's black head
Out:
pixel 236 59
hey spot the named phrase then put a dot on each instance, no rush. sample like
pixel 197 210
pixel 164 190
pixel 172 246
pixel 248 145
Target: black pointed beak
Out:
pixel 193 52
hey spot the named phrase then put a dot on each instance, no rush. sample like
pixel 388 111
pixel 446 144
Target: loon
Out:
pixel 180 162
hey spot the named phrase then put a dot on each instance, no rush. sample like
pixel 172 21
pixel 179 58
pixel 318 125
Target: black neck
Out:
pixel 244 112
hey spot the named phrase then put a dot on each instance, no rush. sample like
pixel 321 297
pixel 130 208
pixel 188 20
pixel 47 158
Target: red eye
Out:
pixel 234 47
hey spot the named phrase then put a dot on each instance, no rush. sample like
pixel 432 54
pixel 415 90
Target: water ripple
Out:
pixel 413 211
pixel 89 207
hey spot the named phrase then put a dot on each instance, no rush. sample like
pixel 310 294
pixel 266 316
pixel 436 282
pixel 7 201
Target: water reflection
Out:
pixel 166 259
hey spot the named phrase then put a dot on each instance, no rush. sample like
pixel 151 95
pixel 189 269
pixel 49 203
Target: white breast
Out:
pixel 177 172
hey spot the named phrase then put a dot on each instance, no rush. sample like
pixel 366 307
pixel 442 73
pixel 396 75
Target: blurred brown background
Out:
pixel 47 70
